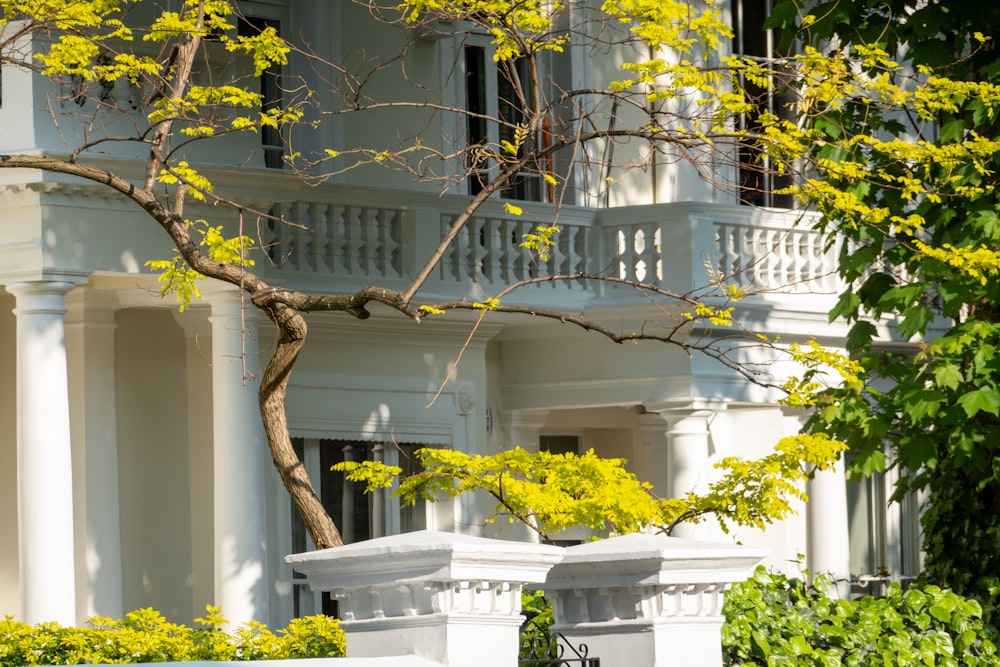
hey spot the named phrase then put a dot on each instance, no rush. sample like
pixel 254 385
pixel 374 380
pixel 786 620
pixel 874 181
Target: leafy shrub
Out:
pixel 775 620
pixel 145 636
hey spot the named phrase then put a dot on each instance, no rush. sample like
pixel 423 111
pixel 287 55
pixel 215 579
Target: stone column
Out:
pixel 522 429
pixel 828 547
pixel 453 599
pixel 44 454
pixel 647 600
pixel 90 339
pixel 238 461
pixel 687 448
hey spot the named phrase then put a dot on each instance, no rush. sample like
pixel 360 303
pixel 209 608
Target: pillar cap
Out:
pixel 639 559
pixel 427 556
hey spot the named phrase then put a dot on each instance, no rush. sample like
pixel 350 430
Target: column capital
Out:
pixel 40 296
pixel 216 293
pixel 522 418
pixel 683 407
pixel 72 276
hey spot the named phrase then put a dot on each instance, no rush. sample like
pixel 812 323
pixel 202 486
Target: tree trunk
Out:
pixel 291 337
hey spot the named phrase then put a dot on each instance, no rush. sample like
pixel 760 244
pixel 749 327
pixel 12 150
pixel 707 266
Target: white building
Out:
pixel 132 468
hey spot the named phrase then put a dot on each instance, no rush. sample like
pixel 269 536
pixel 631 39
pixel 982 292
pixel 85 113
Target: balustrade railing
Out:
pixel 638 252
pixel 489 250
pixel 775 257
pixel 382 241
pixel 336 239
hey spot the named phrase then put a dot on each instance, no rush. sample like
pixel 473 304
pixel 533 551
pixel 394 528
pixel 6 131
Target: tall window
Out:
pixel 492 91
pixel 884 534
pixel 757 182
pixel 270 89
pixel 358 516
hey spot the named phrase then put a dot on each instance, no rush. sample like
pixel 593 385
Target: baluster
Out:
pixel 394 242
pixel 295 241
pixel 581 243
pixel 352 239
pixel 452 266
pixel 620 249
pixel 758 255
pixel 520 257
pixel 486 250
pixel 369 233
pixel 332 238
pixel 657 277
pixel 506 244
pixel 639 250
pixel 564 261
pixel 805 266
pixel 380 258
pixel 275 240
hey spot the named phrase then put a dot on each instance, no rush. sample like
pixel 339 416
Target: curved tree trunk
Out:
pixel 271 395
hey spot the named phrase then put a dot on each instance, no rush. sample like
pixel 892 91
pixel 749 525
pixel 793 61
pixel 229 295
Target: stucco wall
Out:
pixel 154 463
pixel 10 591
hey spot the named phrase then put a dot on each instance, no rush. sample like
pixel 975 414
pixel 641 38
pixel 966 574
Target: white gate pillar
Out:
pixel 454 599
pixel 44 454
pixel 647 600
pixel 238 460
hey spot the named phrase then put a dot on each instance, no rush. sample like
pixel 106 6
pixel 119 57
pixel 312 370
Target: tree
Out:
pixel 906 158
pixel 674 99
pixel 175 103
pixel 550 493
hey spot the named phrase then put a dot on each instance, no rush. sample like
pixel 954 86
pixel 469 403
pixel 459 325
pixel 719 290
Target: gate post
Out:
pixel 647 600
pixel 454 599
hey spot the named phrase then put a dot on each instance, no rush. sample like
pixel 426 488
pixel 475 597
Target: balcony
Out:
pixel 343 238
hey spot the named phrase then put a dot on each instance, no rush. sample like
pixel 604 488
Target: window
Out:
pixel 884 534
pixel 559 444
pixel 493 91
pixel 270 89
pixel 358 516
pixel 757 184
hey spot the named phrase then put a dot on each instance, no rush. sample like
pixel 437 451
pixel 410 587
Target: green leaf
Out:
pixel 949 376
pixel 981 400
pixel 860 335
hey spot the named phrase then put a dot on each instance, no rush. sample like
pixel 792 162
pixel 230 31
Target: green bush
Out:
pixel 145 636
pixel 775 620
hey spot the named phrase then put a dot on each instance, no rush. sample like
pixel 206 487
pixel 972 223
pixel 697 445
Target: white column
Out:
pixel 90 339
pixel 522 428
pixel 687 449
pixel 828 549
pixel 44 455
pixel 238 459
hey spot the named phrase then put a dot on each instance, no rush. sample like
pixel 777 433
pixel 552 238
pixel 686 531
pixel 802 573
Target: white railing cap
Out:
pixel 639 559
pixel 428 556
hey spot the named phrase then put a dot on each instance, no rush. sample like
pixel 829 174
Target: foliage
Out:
pixel 552 492
pixel 536 640
pixel 145 636
pixel 679 100
pixel 907 154
pixel 775 620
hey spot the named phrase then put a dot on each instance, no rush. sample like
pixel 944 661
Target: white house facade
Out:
pixel 133 470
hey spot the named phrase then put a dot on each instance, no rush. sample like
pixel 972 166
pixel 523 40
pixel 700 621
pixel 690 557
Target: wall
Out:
pixel 156 524
pixel 10 591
